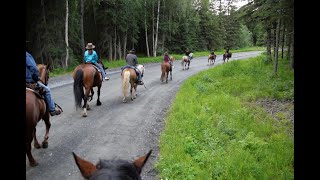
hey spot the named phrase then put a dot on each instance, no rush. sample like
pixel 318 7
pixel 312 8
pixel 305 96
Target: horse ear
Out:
pixel 86 167
pixel 48 65
pixel 139 162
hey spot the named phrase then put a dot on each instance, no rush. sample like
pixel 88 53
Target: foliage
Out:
pixel 219 132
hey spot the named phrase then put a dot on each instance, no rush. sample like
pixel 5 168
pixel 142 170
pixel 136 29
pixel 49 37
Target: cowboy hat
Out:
pixel 90 46
pixel 132 50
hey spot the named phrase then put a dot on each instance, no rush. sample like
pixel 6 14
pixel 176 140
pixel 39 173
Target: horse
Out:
pixel 36 109
pixel 129 76
pixel 184 62
pixel 212 59
pixel 166 69
pixel 111 169
pixel 226 55
pixel 86 77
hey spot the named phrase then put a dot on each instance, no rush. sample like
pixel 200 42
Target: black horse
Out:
pixel 227 55
pixel 111 169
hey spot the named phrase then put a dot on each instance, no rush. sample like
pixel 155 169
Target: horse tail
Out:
pixel 78 88
pixel 125 83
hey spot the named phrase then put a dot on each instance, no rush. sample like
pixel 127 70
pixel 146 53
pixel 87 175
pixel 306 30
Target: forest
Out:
pixel 58 30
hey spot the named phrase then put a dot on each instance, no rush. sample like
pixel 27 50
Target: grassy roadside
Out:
pixel 215 129
pixel 144 60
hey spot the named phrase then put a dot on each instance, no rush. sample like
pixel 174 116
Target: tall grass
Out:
pixel 214 129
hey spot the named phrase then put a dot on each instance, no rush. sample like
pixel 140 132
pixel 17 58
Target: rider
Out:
pixel 189 54
pixel 90 56
pixel 212 52
pixel 132 61
pixel 166 58
pixel 32 76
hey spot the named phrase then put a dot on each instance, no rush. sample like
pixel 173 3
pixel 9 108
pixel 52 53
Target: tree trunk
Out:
pixel 292 50
pixel 145 26
pixel 283 39
pixel 269 44
pixel 119 48
pixel 110 49
pixel 115 43
pixel 125 44
pixel 157 31
pixel 153 27
pixel 66 34
pixel 277 35
pixel 81 26
pixel 274 37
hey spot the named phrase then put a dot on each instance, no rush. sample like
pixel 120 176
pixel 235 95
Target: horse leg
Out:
pixel 171 75
pixel 46 120
pixel 135 91
pixel 32 161
pixel 98 100
pixel 131 91
pixel 29 138
pixel 91 95
pixel 85 104
pixel 35 140
pixel 167 74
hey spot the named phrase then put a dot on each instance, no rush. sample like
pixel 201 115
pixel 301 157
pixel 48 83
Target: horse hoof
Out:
pixel 98 103
pixel 37 146
pixel 44 145
pixel 33 164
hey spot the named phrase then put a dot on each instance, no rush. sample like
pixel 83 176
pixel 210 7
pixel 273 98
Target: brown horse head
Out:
pixel 86 76
pixel 112 169
pixel 44 73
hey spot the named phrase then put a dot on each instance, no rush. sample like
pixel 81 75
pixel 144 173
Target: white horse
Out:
pixel 129 76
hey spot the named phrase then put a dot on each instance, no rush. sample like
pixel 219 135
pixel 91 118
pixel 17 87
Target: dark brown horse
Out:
pixel 184 62
pixel 166 69
pixel 86 77
pixel 129 76
pixel 212 59
pixel 111 169
pixel 226 56
pixel 36 110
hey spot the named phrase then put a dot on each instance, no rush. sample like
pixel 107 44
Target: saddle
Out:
pixel 94 66
pixel 38 90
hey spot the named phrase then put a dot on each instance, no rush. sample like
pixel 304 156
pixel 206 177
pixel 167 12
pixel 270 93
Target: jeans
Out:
pixel 101 70
pixel 47 96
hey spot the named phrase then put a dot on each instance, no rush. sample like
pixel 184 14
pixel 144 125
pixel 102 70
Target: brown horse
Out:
pixel 184 62
pixel 166 69
pixel 86 77
pixel 212 59
pixel 226 55
pixel 36 110
pixel 129 76
pixel 112 169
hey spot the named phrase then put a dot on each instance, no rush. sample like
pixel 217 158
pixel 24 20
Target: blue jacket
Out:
pixel 91 57
pixel 32 72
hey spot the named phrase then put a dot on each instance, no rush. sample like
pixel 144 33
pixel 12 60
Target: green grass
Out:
pixel 214 129
pixel 144 60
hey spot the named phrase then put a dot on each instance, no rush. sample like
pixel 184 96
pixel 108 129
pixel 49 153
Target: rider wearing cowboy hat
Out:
pixel 132 61
pixel 90 56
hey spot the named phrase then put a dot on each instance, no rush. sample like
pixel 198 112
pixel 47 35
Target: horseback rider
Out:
pixel 32 76
pixel 189 54
pixel 166 58
pixel 212 52
pixel 90 56
pixel 132 62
